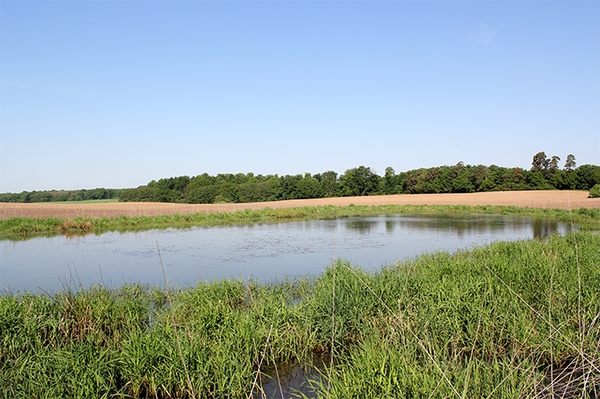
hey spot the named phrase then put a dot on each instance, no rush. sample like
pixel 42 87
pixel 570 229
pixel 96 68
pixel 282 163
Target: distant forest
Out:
pixel 62 195
pixel 544 174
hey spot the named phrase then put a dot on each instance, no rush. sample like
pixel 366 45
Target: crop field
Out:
pixel 534 199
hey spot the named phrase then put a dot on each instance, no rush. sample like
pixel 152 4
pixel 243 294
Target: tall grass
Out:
pixel 492 322
pixel 519 319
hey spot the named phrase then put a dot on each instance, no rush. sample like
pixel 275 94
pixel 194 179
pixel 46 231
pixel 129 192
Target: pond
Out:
pixel 266 252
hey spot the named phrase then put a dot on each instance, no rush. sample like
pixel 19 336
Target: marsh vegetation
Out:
pixel 518 319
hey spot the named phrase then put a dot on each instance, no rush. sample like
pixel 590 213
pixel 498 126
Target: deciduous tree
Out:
pixel 359 181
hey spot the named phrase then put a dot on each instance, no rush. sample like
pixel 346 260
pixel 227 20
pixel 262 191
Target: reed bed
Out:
pixel 25 228
pixel 509 320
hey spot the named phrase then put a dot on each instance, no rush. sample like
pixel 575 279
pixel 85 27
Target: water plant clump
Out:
pixel 518 319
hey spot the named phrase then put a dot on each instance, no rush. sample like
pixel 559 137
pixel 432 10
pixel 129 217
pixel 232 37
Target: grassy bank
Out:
pixel 500 321
pixel 23 228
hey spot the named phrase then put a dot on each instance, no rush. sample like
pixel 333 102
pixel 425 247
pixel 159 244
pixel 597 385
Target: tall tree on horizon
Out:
pixel 540 162
pixel 570 163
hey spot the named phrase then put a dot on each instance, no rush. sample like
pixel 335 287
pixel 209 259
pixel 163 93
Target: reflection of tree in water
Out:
pixel 544 228
pixel 327 224
pixel 390 226
pixel 460 225
pixel 362 226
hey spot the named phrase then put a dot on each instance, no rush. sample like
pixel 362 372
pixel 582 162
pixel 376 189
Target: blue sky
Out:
pixel 117 93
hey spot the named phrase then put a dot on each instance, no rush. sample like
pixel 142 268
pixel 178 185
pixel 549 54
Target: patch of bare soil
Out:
pixel 535 199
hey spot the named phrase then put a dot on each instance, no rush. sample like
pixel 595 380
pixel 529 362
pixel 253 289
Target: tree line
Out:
pixel 62 195
pixel 545 173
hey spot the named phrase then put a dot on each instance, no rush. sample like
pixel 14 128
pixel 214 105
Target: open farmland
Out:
pixel 534 199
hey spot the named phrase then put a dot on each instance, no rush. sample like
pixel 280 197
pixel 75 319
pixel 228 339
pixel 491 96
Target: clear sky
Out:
pixel 117 93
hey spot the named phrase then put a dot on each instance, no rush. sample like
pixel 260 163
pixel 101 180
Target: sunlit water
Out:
pixel 266 252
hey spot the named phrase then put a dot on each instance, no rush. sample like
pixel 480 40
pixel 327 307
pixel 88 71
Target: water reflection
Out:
pixel 363 226
pixel 261 251
pixel 287 381
pixel 463 225
pixel 545 228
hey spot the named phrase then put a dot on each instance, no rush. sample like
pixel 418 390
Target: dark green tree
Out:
pixel 258 191
pixel 202 194
pixel 588 176
pixel 358 181
pixel 487 185
pixel 462 183
pixel 308 187
pixel 329 183
pixel 228 192
pixel 288 187
pixel 536 180
pixel 564 180
pixel 389 183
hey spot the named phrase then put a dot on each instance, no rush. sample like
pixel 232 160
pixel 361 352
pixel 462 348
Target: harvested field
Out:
pixel 533 199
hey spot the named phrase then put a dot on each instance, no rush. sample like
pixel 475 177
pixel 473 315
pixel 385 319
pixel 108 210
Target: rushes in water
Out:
pixel 514 320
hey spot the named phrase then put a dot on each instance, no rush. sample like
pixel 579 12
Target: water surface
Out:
pixel 262 251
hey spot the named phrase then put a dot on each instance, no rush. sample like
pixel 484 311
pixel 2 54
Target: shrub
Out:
pixel 595 191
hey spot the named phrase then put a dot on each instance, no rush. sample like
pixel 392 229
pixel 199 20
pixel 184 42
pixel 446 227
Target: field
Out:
pixel 97 201
pixel 533 199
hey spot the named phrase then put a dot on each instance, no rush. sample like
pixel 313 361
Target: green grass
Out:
pixel 499 321
pixel 98 201
pixel 23 228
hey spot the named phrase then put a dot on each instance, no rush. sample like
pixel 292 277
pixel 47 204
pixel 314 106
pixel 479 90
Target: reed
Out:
pixel 492 322
pixel 517 319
